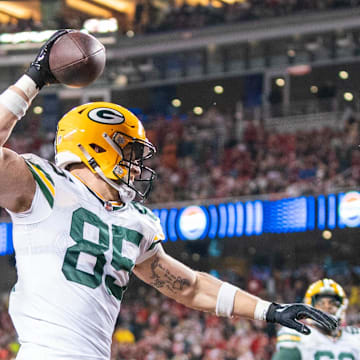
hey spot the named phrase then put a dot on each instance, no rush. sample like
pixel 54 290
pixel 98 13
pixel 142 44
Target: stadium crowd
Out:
pixel 217 156
pixel 154 16
pixel 152 327
pixel 150 18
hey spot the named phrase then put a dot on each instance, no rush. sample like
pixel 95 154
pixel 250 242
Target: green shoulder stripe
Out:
pixel 44 181
pixel 42 170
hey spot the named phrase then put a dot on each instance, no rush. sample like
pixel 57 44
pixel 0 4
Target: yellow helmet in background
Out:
pixel 327 287
pixel 109 140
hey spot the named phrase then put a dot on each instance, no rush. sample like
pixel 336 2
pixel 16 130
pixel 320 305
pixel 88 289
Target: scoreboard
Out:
pixel 258 217
pixel 236 219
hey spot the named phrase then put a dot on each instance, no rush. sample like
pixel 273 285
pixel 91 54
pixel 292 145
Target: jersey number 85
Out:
pixel 80 217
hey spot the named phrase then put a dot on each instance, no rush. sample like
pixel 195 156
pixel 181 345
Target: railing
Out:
pixel 308 121
pixel 229 50
pixel 270 197
pixel 4 217
pixel 298 115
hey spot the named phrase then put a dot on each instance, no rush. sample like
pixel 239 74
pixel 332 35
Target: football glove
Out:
pixel 289 314
pixel 39 69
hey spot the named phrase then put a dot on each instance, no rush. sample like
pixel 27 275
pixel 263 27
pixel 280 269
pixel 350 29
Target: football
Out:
pixel 77 59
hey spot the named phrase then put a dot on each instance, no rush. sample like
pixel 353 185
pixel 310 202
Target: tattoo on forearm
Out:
pixel 161 277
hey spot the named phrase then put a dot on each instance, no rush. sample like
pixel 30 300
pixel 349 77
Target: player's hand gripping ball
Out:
pixel 69 57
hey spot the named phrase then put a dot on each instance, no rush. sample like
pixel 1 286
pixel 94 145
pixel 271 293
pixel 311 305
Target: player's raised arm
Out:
pixel 17 186
pixel 203 292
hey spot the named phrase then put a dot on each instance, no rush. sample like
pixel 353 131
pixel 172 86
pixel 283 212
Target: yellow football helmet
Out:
pixel 110 140
pixel 327 287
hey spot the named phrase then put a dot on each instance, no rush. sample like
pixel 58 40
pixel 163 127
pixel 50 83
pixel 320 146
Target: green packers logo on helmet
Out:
pixel 106 116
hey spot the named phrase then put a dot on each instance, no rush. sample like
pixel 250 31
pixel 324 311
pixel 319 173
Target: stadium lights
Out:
pixel 91 25
pixel 218 89
pixel 348 96
pixel 101 25
pixel 121 80
pixel 291 53
pixel 89 8
pixel 29 36
pixel 121 6
pixel 280 82
pixel 344 75
pixel 17 10
pixel 26 36
pixel 314 89
pixel 130 34
pixel 176 102
pixel 38 110
pixel 198 110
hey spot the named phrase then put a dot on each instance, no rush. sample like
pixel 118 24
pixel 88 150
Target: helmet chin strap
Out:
pixel 126 193
pixel 342 309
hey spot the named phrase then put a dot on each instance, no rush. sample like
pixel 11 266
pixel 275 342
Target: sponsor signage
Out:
pixel 249 218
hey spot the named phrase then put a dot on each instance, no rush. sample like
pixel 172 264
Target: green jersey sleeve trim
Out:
pixel 154 244
pixel 288 338
pixel 46 184
pixel 43 171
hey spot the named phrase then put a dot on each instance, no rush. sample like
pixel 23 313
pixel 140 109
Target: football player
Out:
pixel 78 234
pixel 323 344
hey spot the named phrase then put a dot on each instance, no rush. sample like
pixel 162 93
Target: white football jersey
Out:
pixel 318 346
pixel 74 256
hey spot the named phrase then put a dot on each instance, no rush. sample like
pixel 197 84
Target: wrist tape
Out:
pixel 225 300
pixel 28 86
pixel 261 309
pixel 14 103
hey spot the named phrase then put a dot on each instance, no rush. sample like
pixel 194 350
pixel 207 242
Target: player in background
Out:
pixel 78 234
pixel 342 343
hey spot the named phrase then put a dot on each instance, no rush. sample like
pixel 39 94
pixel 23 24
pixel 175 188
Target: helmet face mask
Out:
pixel 110 141
pixel 138 177
pixel 334 300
